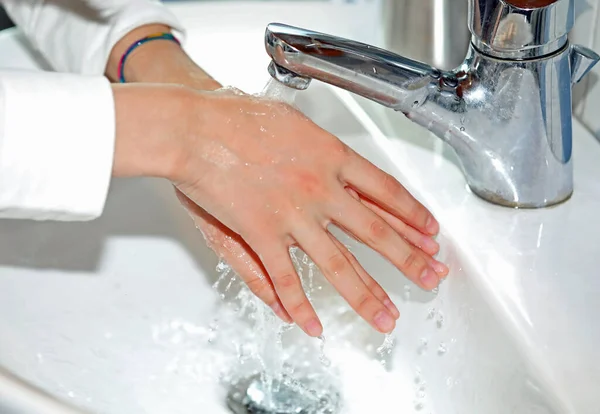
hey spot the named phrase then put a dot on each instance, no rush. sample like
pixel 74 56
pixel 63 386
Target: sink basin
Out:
pixel 118 315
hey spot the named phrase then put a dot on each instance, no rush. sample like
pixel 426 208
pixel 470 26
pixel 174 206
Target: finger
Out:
pixel 242 259
pixel 254 275
pixel 371 283
pixel 381 187
pixel 440 268
pixel 377 234
pixel 339 272
pixel 288 287
pixel 414 236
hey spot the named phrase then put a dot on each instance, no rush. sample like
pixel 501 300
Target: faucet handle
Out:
pixel 582 62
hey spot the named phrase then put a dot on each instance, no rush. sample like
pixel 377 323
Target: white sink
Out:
pixel 93 313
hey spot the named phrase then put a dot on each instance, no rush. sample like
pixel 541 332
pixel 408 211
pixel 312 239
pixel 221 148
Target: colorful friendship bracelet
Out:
pixel 135 45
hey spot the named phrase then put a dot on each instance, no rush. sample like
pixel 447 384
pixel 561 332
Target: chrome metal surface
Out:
pixel 508 120
pixel 249 396
pixel 505 30
pixel 431 31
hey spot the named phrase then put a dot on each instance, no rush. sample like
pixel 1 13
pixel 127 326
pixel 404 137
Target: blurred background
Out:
pixel 4 20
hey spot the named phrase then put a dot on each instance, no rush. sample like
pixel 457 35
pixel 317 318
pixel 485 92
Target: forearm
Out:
pixel 159 61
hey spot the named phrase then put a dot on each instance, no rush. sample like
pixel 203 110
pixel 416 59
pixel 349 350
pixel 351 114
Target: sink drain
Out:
pixel 290 396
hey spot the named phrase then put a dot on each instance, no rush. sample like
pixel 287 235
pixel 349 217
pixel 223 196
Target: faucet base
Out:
pixel 304 396
pixel 500 201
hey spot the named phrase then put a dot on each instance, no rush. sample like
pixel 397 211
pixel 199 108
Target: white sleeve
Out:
pixel 78 35
pixel 56 145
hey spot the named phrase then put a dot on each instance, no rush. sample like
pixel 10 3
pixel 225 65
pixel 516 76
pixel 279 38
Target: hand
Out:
pixel 285 203
pixel 274 178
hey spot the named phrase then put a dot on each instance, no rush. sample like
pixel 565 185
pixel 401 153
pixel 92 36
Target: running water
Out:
pixel 277 362
pixel 277 91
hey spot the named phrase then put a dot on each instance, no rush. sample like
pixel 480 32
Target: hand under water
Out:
pixel 267 178
pixel 259 177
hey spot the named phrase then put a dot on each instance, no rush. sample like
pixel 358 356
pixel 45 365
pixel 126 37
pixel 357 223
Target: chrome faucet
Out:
pixel 506 110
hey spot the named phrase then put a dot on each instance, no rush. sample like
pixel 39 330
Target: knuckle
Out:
pixel 378 230
pixel 363 303
pixel 337 264
pixel 287 280
pixel 301 308
pixel 410 260
pixel 259 287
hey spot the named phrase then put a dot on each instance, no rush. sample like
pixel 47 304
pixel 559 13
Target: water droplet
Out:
pixel 419 405
pixel 462 129
pixel 431 313
pixel 374 70
pixel 418 378
pixel 442 349
pixel 440 319
pixel 415 104
pixel 423 346
pixel 222 266
pixel 407 290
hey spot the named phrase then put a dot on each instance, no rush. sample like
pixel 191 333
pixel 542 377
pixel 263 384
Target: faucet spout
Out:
pixel 506 110
pixel 391 80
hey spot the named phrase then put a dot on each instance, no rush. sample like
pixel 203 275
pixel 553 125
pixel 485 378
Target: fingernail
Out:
pixel 392 308
pixel 430 279
pixel 384 322
pixel 432 226
pixel 440 268
pixel 314 328
pixel 430 246
pixel 279 311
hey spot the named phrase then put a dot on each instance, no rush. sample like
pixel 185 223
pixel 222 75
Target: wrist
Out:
pixel 158 61
pixel 152 122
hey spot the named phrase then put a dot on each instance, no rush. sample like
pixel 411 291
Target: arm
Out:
pixel 57 131
pixel 273 178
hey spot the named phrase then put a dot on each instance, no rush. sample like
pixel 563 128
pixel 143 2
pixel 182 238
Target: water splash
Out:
pixel 325 361
pixel 388 345
pixel 248 341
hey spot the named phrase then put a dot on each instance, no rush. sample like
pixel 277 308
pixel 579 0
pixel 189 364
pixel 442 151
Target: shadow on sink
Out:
pixel 141 208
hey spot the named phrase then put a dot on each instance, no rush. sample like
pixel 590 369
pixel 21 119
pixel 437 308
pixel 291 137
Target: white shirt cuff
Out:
pixel 57 142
